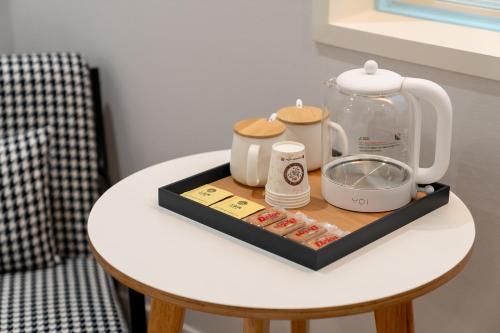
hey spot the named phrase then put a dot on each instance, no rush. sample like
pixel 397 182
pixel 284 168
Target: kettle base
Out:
pixel 365 200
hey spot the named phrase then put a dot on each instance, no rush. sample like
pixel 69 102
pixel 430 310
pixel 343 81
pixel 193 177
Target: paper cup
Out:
pixel 286 204
pixel 287 179
pixel 287 196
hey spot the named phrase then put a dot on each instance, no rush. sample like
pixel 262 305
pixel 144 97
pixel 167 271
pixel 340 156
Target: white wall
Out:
pixel 177 74
pixel 6 37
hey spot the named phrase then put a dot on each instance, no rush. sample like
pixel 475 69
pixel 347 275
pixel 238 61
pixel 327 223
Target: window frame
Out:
pixel 442 12
pixel 357 25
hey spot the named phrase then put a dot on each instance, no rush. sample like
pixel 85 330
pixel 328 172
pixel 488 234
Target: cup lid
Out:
pixel 369 80
pixel 259 128
pixel 301 114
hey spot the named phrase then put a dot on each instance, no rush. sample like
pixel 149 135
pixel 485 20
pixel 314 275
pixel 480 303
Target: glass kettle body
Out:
pixel 371 144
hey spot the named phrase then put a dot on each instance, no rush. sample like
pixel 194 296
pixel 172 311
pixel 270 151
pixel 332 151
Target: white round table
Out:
pixel 183 264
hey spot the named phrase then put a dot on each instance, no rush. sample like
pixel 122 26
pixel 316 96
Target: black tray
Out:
pixel 169 197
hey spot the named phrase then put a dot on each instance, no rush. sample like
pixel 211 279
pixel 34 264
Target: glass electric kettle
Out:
pixel 371 143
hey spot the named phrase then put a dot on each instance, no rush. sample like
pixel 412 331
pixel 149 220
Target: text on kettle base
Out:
pixel 360 201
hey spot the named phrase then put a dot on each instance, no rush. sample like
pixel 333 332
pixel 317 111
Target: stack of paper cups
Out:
pixel 287 183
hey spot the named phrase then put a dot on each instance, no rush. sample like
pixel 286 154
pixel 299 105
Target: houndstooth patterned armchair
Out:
pixel 75 295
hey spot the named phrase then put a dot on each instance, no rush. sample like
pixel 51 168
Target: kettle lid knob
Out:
pixel 371 67
pixel 369 80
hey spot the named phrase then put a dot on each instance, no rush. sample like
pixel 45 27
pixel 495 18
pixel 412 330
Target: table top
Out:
pixel 173 258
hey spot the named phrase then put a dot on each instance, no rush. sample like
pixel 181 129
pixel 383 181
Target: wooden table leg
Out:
pixel 300 326
pixel 395 319
pixel 255 326
pixel 165 317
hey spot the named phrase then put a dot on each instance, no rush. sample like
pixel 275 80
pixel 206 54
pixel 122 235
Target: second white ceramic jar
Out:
pixel 303 125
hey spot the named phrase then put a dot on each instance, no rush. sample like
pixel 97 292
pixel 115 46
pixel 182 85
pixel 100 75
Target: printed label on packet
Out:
pixel 237 207
pixel 207 194
pixel 286 226
pixel 322 241
pixel 266 217
pixel 307 233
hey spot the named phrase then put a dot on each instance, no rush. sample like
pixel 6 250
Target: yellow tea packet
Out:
pixel 207 194
pixel 237 207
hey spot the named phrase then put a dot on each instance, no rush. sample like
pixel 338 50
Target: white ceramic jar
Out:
pixel 303 125
pixel 251 149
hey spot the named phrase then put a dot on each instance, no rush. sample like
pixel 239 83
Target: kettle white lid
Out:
pixel 369 80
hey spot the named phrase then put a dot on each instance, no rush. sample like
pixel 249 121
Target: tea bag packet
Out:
pixel 292 222
pixel 332 234
pixel 207 194
pixel 267 216
pixel 237 207
pixel 310 231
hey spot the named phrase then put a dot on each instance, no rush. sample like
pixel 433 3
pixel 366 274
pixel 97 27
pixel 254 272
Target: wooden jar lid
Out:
pixel 302 115
pixel 259 128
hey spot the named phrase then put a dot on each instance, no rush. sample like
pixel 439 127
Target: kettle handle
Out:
pixel 439 99
pixel 344 145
